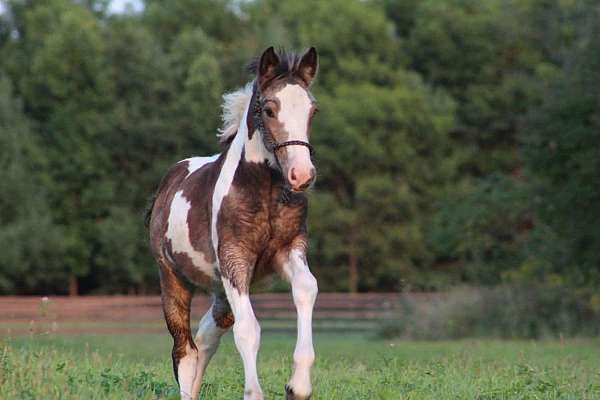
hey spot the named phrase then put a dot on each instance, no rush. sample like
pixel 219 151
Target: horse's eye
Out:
pixel 269 112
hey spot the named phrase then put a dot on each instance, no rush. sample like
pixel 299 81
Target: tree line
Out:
pixel 457 140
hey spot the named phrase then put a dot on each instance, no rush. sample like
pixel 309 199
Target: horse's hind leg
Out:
pixel 176 300
pixel 217 320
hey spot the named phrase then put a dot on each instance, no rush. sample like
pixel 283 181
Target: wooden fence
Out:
pixel 336 312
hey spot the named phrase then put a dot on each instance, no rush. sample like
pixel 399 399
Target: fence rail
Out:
pixel 97 314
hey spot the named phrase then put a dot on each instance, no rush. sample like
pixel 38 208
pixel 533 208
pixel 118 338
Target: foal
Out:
pixel 222 222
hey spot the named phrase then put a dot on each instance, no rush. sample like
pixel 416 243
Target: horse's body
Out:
pixel 222 222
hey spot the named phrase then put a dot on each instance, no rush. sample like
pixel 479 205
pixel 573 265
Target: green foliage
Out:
pixel 485 231
pixel 428 174
pixel 563 159
pixel 32 244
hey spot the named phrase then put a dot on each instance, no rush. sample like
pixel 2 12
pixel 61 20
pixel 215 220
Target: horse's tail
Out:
pixel 149 208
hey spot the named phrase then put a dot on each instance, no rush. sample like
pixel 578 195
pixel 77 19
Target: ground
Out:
pixel 348 367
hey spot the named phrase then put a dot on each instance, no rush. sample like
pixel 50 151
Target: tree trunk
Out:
pixel 353 272
pixel 73 285
pixel 353 263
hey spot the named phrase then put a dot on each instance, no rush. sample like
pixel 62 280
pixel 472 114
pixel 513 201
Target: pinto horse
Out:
pixel 225 221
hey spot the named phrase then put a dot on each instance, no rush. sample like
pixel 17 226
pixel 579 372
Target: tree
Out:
pixel 382 140
pixel 66 90
pixel 560 146
pixel 33 246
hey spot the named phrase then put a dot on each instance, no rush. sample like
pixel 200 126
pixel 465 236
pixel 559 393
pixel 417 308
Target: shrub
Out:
pixel 501 312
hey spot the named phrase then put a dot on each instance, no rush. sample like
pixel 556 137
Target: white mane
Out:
pixel 234 105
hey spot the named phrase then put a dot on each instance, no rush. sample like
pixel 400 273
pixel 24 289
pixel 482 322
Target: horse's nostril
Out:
pixel 293 177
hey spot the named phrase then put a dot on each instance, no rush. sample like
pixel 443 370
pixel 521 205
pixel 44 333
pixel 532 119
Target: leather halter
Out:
pixel 255 122
pixel 268 139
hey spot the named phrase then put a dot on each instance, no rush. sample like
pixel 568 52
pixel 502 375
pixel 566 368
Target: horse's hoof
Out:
pixel 289 394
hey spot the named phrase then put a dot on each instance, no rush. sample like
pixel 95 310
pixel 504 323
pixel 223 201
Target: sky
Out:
pixel 119 6
pixel 116 6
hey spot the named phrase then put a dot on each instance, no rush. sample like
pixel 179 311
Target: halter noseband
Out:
pixel 268 138
pixel 311 149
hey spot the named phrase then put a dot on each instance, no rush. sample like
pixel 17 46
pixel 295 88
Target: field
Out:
pixel 117 366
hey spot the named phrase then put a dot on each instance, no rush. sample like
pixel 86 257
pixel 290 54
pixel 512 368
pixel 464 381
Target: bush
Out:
pixel 501 312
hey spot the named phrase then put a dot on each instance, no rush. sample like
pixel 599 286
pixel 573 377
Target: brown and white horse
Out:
pixel 222 222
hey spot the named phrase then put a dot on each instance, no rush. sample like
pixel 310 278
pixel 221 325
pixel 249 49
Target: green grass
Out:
pixel 347 367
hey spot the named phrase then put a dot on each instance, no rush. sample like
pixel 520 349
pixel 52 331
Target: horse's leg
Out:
pixel 246 330
pixel 176 299
pixel 217 320
pixel 304 292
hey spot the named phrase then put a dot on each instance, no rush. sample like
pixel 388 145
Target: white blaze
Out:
pixel 294 112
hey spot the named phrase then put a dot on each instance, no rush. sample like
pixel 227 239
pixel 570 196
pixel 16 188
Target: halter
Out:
pixel 268 139
pixel 255 121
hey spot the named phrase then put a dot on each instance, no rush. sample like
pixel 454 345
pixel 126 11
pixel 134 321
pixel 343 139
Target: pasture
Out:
pixel 128 366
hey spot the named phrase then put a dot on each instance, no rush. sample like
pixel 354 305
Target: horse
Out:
pixel 226 221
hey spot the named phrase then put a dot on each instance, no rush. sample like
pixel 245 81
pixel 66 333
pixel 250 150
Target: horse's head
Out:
pixel 284 109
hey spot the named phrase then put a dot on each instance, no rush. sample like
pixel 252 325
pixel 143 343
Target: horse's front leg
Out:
pixel 236 272
pixel 304 291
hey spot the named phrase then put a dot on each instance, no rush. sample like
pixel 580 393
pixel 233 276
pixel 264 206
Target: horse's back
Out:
pixel 180 219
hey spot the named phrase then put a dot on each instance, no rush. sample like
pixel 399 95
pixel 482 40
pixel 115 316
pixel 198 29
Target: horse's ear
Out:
pixel 307 69
pixel 267 66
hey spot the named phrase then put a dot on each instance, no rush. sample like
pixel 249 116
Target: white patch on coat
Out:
pixel 178 232
pixel 255 150
pixel 294 112
pixel 195 163
pixel 186 373
pixel 225 179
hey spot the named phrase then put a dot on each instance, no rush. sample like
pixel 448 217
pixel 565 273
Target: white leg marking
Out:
pixel 186 373
pixel 246 333
pixel 178 232
pixel 304 291
pixel 207 341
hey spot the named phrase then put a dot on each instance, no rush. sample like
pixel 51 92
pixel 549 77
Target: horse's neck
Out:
pixel 255 150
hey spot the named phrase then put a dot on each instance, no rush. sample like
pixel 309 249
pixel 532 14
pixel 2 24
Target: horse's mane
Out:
pixel 234 103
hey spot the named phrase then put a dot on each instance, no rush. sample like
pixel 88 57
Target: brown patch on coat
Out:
pixel 184 266
pixel 243 224
pixel 254 225
pixel 176 297
pixel 221 312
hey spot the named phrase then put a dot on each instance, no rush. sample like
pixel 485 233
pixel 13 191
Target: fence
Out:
pixel 334 312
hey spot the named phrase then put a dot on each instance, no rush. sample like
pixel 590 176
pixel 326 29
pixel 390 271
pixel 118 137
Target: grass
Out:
pixel 348 367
